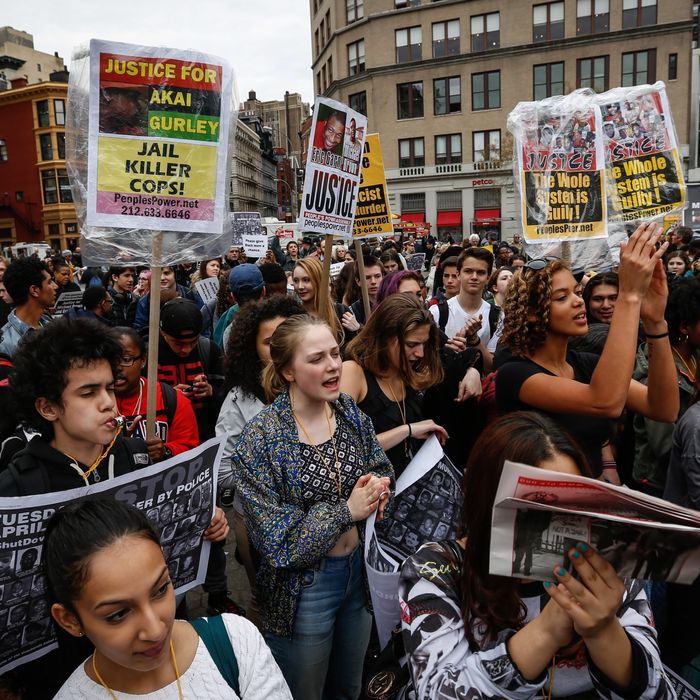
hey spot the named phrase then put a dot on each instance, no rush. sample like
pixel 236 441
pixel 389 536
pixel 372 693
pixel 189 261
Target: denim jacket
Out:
pixel 14 330
pixel 289 536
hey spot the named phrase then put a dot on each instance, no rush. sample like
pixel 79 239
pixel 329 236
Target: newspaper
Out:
pixel 178 497
pixel 425 509
pixel 538 515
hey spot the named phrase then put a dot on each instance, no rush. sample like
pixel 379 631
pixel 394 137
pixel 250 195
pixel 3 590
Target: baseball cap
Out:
pixel 245 278
pixel 181 319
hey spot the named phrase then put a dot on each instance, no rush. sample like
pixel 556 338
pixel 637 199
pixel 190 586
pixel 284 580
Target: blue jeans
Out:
pixel 323 659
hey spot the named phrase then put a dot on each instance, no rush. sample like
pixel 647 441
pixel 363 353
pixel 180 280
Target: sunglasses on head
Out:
pixel 540 263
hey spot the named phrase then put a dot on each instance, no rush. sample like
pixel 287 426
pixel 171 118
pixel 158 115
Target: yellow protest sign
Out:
pixel 373 215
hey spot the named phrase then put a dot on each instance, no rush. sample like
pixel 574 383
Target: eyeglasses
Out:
pixel 126 361
pixel 540 263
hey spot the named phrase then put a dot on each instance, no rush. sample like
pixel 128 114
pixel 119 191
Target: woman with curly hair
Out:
pixel 307 279
pixel 246 355
pixel 393 359
pixel 584 634
pixel 544 308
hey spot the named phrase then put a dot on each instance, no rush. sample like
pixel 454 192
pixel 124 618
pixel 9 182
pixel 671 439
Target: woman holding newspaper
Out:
pixel 585 633
pixel 544 308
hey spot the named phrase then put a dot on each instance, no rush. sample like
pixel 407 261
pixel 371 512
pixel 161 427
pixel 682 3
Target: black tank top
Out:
pixel 385 415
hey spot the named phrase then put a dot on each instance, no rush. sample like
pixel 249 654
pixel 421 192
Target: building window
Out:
pixel 317 43
pixel 319 87
pixel 486 145
pixel 638 67
pixel 592 16
pixel 358 102
pixel 673 66
pixel 638 13
pixel 64 186
pixel 19 196
pixel 411 153
pixel 3 150
pixel 409 44
pixel 413 202
pixel 447 95
pixel 448 149
pixel 410 100
pixel 486 31
pixel 356 57
pixel 46 147
pixel 592 73
pixel 42 112
pixel 324 76
pixel 547 80
pixel 59 109
pixel 330 69
pixel 328 25
pixel 406 3
pixel 355 10
pixel 548 21
pixel 48 185
pixel 446 38
pixel 486 90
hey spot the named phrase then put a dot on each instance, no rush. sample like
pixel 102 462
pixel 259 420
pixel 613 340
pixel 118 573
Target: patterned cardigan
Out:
pixel 288 537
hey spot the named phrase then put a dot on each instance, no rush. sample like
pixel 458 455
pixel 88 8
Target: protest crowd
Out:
pixel 322 408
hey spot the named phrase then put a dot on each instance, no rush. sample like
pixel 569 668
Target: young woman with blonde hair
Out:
pixel 393 359
pixel 544 308
pixel 309 471
pixel 307 278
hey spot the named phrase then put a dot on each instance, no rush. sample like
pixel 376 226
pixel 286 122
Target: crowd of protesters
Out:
pixel 323 401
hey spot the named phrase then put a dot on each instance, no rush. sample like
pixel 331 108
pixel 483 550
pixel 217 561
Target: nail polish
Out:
pixel 562 571
pixel 583 546
pixel 547 584
pixel 576 554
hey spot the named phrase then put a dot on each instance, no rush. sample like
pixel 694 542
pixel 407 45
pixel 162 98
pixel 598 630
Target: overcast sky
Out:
pixel 266 41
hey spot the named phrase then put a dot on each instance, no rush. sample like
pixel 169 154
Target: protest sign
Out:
pixel 692 213
pixel 415 262
pixel 332 169
pixel 559 162
pixel 177 495
pixel 336 269
pixel 245 223
pixel 255 245
pixel 158 119
pixel 425 508
pixel 373 214
pixel 67 300
pixel 645 178
pixel 207 288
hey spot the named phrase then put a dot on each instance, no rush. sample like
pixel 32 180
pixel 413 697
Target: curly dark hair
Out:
pixel 44 357
pixel 21 276
pixel 527 302
pixel 683 307
pixel 243 366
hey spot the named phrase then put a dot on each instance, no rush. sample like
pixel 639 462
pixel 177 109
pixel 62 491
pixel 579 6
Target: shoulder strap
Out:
pixel 206 353
pixel 216 640
pixel 169 401
pixel 444 314
pixel 494 315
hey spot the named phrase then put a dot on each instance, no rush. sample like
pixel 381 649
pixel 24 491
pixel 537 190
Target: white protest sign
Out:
pixel 178 497
pixel 245 223
pixel 208 288
pixel 255 245
pixel 336 269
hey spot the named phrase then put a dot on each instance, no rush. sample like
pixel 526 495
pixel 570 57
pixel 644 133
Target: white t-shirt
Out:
pixel 259 676
pixel 458 317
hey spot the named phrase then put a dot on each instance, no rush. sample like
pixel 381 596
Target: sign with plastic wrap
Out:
pixel 157 120
pixel 332 169
pixel 588 163
pixel 373 213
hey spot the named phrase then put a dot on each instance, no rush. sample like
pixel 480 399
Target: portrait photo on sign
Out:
pixel 123 108
pixel 330 130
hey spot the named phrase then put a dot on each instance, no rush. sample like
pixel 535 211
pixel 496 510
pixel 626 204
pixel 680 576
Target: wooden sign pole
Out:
pixel 153 337
pixel 360 262
pixel 326 278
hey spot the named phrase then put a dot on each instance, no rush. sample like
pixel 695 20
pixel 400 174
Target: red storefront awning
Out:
pixel 414 217
pixel 449 219
pixel 482 214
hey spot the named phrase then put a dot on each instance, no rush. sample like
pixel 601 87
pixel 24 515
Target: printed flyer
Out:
pixel 158 134
pixel 178 497
pixel 332 169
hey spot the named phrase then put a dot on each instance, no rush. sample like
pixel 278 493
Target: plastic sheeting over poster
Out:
pixel 589 166
pixel 149 143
